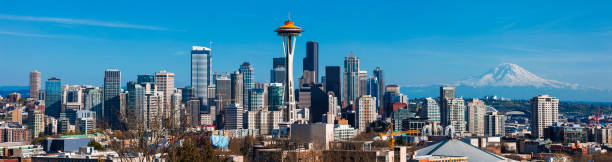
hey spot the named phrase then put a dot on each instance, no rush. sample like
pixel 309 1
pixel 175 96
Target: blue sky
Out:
pixel 414 42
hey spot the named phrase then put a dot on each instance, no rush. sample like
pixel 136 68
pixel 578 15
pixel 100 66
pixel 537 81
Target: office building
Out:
pixel 223 92
pixel 494 124
pixel 219 75
pixel 447 93
pixel 379 74
pixel 333 81
pixel 256 99
pixel 136 105
pixel 112 102
pixel 247 82
pixel 476 116
pixel 276 92
pixel 311 63
pixel 153 106
pixel 233 117
pixel 53 97
pixel 175 108
pixel 34 84
pixel 351 79
pixel 365 113
pixel 92 99
pixel 319 134
pixel 201 72
pixel 192 115
pixel 279 71
pixel 164 82
pixel 236 81
pixel 392 95
pixel 263 120
pixel 544 112
pixel 363 83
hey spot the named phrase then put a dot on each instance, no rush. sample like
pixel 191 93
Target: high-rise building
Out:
pixel 165 84
pixel 447 93
pixel 136 105
pixel 247 83
pixel 201 68
pixel 476 116
pixel 256 99
pixel 279 71
pixel 175 108
pixel 289 32
pixel 264 120
pixel 333 81
pixel 223 91
pixel 237 93
pixel 276 93
pixel 153 106
pixel 431 110
pixel 92 100
pixel 351 78
pixel 219 75
pixel 34 84
pixel 333 108
pixel 544 113
pixel 233 117
pixel 146 78
pixel 363 83
pixel 53 97
pixel 379 74
pixel 453 114
pixel 319 104
pixel 37 124
pixel 311 63
pixel 494 124
pixel 192 108
pixel 392 95
pixel 365 113
pixel 112 88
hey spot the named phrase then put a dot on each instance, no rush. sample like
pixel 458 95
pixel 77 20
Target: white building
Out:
pixel 319 134
pixel 544 112
pixel 164 83
pixel 476 117
pixel 343 132
pixel 264 120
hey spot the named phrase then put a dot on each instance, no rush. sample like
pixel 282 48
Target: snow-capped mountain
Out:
pixel 508 74
pixel 512 81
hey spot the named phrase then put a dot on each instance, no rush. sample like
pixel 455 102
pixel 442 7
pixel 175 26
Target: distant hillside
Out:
pixel 6 90
pixel 564 107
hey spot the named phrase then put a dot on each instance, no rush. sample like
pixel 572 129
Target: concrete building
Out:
pixel 476 115
pixel 343 132
pixel 363 83
pixel 431 110
pixel 201 72
pixel 248 77
pixel 319 134
pixel 233 117
pixel 365 113
pixel 34 84
pixel 494 124
pixel 175 108
pixel 164 82
pixel 453 114
pixel 263 120
pixel 544 112
pixel 256 99
pixel 192 114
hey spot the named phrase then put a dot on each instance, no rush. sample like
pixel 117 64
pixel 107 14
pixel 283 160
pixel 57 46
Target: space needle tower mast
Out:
pixel 289 32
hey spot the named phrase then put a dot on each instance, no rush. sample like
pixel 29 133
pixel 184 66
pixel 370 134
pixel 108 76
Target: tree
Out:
pixel 95 145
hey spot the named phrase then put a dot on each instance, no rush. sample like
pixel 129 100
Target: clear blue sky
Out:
pixel 414 42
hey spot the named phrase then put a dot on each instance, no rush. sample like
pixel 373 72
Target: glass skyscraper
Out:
pixel 201 72
pixel 276 92
pixel 112 88
pixel 351 78
pixel 247 83
pixel 53 97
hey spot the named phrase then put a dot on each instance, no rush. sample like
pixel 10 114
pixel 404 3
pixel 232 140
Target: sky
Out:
pixel 416 43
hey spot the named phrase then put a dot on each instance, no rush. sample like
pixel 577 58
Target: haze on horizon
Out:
pixel 414 42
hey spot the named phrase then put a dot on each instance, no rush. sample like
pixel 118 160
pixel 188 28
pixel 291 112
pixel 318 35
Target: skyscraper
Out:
pixel 53 97
pixel 319 103
pixel 145 78
pixel 363 83
pixel 219 75
pixel 256 99
pixel 247 83
pixel 365 113
pixel 237 92
pixel 380 82
pixel 34 84
pixel 201 68
pixel 223 91
pixel 447 93
pixel 289 32
pixel 279 71
pixel 311 63
pixel 93 100
pixel 233 117
pixel 165 84
pixel 333 81
pixel 276 93
pixel 544 112
pixel 136 105
pixel 112 88
pixel 453 114
pixel 351 78
pixel 476 116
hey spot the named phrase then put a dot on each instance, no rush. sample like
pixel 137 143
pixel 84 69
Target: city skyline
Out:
pixel 529 39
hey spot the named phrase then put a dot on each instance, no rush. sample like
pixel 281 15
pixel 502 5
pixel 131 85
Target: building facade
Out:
pixel 544 112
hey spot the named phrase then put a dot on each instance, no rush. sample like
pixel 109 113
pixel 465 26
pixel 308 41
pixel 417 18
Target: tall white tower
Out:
pixel 289 32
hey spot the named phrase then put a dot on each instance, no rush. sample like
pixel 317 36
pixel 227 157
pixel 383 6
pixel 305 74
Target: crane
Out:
pixel 390 134
pixel 595 119
pixel 220 100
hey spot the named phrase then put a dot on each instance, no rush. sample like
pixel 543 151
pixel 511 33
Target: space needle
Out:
pixel 289 32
